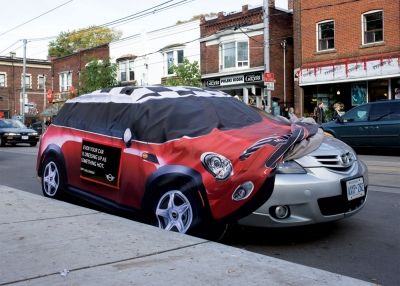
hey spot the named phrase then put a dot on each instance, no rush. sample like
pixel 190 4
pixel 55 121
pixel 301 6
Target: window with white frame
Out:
pixel 28 80
pixel 3 80
pixel 126 70
pixel 40 81
pixel 65 80
pixel 235 54
pixel 326 35
pixel 372 24
pixel 174 57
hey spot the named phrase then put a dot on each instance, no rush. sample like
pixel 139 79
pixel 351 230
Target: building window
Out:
pixel 41 81
pixel 235 55
pixel 3 80
pixel 131 71
pixel 122 71
pixel 326 35
pixel 28 81
pixel 126 70
pixel 372 23
pixel 65 81
pixel 180 57
pixel 170 62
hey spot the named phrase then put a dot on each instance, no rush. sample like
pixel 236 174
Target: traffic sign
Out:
pixel 269 85
pixel 269 77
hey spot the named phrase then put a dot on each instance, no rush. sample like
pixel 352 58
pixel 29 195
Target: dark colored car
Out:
pixel 38 127
pixel 12 132
pixel 186 157
pixel 374 124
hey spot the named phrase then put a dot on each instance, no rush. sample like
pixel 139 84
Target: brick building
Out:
pixel 232 53
pixel 37 81
pixel 346 51
pixel 66 70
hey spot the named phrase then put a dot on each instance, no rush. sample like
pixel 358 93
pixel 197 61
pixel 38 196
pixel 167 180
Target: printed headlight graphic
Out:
pixel 219 166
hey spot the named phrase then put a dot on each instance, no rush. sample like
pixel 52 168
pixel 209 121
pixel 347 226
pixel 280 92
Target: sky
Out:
pixel 55 16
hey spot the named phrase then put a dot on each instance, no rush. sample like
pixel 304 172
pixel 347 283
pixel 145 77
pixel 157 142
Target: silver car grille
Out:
pixel 341 162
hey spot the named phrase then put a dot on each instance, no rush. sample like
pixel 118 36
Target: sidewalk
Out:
pixel 49 242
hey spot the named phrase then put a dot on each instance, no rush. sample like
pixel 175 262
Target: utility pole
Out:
pixel 283 44
pixel 24 41
pixel 267 92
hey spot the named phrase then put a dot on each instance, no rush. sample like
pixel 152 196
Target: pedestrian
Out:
pixel 338 111
pixel 397 93
pixel 319 113
pixel 285 112
pixel 292 116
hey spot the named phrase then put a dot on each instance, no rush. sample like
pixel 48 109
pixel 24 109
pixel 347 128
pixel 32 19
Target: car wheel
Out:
pixel 33 144
pixel 177 211
pixel 52 178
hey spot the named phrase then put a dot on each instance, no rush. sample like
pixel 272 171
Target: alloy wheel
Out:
pixel 51 179
pixel 174 212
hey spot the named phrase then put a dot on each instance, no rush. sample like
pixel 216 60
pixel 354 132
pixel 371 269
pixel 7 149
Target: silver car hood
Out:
pixel 331 153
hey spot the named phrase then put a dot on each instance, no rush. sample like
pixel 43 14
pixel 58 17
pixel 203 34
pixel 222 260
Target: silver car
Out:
pixel 328 184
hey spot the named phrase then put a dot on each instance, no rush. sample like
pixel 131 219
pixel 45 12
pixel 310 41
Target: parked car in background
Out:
pixel 13 132
pixel 186 157
pixel 374 124
pixel 326 184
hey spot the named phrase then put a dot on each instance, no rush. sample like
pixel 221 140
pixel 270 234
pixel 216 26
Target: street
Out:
pixel 365 246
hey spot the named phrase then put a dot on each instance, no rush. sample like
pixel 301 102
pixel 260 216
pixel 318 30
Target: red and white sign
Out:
pixel 269 77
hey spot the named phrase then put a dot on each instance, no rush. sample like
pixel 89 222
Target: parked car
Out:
pixel 38 127
pixel 184 156
pixel 12 132
pixel 326 184
pixel 374 124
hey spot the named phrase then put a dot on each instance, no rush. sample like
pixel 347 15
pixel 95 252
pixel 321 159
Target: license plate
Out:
pixel 25 137
pixel 355 188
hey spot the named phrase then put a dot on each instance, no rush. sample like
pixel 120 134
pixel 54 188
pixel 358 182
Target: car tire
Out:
pixel 177 210
pixel 53 179
pixel 33 144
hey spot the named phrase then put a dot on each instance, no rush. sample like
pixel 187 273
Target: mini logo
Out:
pixel 110 177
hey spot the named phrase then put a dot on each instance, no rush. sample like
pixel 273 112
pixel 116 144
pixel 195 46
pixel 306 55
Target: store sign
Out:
pixel 233 80
pixel 353 70
pixel 100 163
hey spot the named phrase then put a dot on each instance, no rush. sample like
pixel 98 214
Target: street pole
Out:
pixel 283 44
pixel 267 92
pixel 24 41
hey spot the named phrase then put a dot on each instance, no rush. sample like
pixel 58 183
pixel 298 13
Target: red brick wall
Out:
pixel 76 62
pixel 280 28
pixel 10 95
pixel 348 28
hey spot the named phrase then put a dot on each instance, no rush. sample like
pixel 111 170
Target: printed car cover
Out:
pixel 157 114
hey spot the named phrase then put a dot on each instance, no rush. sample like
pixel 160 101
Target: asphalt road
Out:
pixel 365 246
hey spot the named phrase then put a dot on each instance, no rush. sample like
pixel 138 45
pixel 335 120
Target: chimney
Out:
pixel 271 3
pixel 245 9
pixel 290 4
pixel 220 15
pixel 12 55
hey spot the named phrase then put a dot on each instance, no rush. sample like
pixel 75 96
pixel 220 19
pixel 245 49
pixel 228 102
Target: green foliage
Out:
pixel 70 42
pixel 97 75
pixel 186 74
pixel 197 17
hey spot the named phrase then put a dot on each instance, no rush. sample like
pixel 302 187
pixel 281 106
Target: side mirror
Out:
pixel 127 137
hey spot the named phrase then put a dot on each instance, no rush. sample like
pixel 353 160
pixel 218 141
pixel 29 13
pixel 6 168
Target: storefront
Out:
pixel 248 87
pixel 351 83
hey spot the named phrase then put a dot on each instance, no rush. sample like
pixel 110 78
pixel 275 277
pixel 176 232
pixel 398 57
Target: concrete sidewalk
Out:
pixel 49 242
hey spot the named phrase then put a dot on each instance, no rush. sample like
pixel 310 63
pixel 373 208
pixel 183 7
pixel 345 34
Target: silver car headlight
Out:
pixel 33 133
pixel 219 166
pixel 290 167
pixel 11 134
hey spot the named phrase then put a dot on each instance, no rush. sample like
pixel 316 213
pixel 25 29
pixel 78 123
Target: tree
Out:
pixel 97 74
pixel 187 74
pixel 68 43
